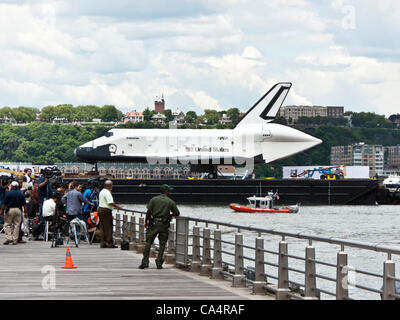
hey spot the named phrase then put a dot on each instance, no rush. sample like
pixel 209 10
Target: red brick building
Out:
pixel 159 105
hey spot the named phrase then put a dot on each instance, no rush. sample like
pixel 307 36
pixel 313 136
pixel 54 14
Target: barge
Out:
pixel 203 192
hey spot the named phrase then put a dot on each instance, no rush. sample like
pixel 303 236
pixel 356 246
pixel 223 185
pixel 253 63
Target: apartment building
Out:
pixel 295 112
pixel 335 112
pixel 360 154
pixel 392 158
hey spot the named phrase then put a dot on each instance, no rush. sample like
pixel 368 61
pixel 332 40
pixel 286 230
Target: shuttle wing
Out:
pixel 267 107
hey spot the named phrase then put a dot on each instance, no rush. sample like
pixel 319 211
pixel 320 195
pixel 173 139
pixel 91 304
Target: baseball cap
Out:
pixel 166 187
pixel 15 184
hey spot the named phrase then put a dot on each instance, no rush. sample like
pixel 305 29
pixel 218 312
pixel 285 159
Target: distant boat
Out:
pixel 392 183
pixel 264 205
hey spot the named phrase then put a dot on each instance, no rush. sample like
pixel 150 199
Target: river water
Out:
pixel 372 224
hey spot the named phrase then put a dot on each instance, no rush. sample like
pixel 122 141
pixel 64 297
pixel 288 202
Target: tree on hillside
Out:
pixel 65 111
pixel 110 113
pixel 367 120
pixel 147 114
pixel 23 114
pixel 7 112
pixel 87 113
pixel 233 114
pixel 168 114
pixel 191 117
pixel 48 113
pixel 212 116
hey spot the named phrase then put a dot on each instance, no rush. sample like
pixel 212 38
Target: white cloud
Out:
pixel 204 101
pixel 199 53
pixel 252 53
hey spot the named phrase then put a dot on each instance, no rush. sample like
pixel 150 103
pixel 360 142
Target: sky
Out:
pixel 200 54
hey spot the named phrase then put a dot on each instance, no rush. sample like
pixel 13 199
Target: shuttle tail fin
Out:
pixel 267 107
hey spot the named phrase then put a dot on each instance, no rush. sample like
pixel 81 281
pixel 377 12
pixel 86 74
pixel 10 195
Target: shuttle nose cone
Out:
pixel 288 134
pixel 286 141
pixel 82 153
pixel 92 155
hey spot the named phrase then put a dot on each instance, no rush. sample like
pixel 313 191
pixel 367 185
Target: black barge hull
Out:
pixel 306 192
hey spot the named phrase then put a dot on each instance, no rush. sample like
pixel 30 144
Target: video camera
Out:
pixel 50 172
pixel 54 175
pixel 95 183
pixel 5 179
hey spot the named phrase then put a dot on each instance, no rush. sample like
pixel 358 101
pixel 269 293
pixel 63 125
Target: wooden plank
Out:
pixel 101 274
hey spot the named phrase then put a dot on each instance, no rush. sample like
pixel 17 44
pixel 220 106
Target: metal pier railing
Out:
pixel 225 251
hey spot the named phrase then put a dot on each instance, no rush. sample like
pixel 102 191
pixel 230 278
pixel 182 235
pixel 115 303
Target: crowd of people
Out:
pixel 45 200
pixel 27 203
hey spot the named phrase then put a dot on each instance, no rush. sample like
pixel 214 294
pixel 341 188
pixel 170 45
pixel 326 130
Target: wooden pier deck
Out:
pixel 101 274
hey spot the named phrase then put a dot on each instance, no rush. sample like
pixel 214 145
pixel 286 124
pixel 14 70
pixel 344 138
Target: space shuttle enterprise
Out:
pixel 253 140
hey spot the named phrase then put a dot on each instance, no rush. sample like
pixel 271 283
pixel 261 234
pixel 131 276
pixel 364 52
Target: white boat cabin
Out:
pixel 266 202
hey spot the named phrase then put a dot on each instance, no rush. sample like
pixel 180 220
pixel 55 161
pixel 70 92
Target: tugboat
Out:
pixel 264 205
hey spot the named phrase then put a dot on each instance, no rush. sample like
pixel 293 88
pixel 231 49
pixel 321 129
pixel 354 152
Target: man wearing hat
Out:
pixel 14 201
pixel 158 218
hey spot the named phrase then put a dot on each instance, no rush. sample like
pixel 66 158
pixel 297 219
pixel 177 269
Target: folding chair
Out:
pixel 75 234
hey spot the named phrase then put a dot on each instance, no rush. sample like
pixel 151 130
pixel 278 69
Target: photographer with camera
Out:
pixel 50 206
pixel 53 213
pixel 14 201
pixel 73 200
pixel 91 193
pixel 44 190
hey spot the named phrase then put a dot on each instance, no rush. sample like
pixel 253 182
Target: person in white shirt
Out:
pixel 50 205
pixel 28 175
pixel 106 204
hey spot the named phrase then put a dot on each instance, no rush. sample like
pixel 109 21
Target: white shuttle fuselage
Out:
pixel 254 139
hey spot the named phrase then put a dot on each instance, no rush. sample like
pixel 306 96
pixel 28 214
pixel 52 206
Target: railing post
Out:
pixel 133 241
pixel 259 283
pixel 389 285
pixel 238 277
pixel 170 258
pixel 196 263
pixel 124 227
pixel 216 272
pixel 205 269
pixel 141 244
pixel 118 228
pixel 181 242
pixel 283 272
pixel 310 270
pixel 342 291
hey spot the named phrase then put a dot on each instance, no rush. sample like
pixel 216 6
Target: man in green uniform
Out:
pixel 157 222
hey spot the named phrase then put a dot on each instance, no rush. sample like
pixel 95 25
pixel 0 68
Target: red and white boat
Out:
pixel 264 205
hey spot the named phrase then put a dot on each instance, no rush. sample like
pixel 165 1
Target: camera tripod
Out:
pixel 58 223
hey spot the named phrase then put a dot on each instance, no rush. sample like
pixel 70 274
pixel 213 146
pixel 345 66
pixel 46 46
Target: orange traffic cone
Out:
pixel 68 261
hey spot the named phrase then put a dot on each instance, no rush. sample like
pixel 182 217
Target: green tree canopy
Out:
pixel 110 113
pixel 233 114
pixel 147 114
pixel 168 114
pixel 211 116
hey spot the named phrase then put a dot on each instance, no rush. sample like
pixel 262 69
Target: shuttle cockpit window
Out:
pixel 109 134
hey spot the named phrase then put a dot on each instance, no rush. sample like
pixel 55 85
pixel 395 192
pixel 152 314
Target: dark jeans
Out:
pixel 106 226
pixel 160 229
